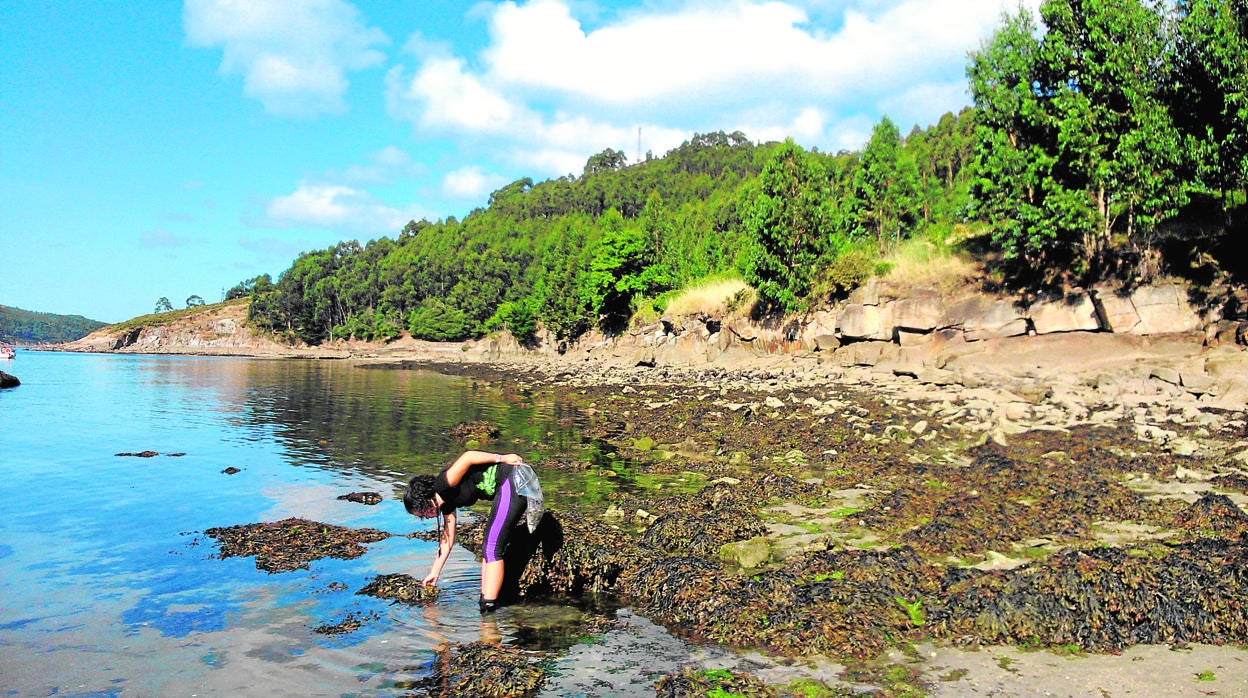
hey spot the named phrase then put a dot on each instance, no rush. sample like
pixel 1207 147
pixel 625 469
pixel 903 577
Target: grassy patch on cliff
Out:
pixel 158 319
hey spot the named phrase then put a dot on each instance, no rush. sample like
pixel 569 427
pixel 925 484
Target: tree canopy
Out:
pixel 19 326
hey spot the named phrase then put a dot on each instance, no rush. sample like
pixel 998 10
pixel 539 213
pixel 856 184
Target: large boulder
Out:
pixel 1164 309
pixel 910 338
pixel 919 314
pixel 820 322
pixel 981 317
pixel 825 342
pixel 866 322
pixel 874 292
pixel 1075 312
pixel 865 354
pixel 1118 310
pixel 8 381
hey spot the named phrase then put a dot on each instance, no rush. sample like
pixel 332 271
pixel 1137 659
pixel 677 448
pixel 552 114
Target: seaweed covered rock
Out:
pixel 854 603
pixel 904 506
pixel 690 683
pixel 482 669
pixel 369 498
pixel 1000 501
pixel 754 492
pixel 1213 514
pixel 1237 482
pixel 479 432
pixel 1069 510
pixel 349 624
pixel 968 523
pixel 746 495
pixel 402 588
pixel 701 533
pixel 1106 599
pixel 290 544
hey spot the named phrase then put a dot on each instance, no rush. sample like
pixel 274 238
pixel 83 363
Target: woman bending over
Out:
pixel 474 475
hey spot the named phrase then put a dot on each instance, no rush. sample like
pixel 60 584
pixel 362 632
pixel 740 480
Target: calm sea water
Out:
pixel 109 587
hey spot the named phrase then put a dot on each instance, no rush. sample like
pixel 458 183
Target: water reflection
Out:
pixel 108 586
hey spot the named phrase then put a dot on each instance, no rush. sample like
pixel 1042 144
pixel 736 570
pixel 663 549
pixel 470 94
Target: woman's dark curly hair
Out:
pixel 418 498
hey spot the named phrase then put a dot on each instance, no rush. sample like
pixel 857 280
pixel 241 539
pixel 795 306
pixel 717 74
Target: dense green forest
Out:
pixel 1107 139
pixel 19 326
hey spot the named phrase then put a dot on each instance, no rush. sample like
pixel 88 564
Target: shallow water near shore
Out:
pixel 109 586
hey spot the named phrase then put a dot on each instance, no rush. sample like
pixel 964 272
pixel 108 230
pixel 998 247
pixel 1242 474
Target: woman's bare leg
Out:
pixel 491 579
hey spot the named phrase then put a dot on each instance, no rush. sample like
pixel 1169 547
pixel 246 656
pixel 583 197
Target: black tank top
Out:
pixel 480 482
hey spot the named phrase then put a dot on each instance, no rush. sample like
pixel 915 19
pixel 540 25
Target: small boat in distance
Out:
pixel 7 352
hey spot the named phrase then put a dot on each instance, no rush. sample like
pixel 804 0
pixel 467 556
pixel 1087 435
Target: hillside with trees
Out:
pixel 19 326
pixel 1108 140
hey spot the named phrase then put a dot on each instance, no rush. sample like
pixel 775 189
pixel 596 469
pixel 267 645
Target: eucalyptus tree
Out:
pixel 561 265
pixel 785 219
pixel 886 186
pixel 1210 92
pixel 1115 135
pixel 1014 159
pixel 1077 144
pixel 623 266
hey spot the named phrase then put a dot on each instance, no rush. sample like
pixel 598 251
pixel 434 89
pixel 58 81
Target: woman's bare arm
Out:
pixel 467 459
pixel 444 549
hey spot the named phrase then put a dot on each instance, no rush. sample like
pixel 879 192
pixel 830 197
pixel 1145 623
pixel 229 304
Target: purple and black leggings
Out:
pixel 505 513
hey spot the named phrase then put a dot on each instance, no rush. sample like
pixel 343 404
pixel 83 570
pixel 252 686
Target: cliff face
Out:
pixel 885 323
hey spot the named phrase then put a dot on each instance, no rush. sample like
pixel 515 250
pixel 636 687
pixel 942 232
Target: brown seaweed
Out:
pixel 291 544
pixel 481 669
pixel 401 588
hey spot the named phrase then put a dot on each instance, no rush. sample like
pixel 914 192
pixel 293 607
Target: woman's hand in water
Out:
pixel 430 580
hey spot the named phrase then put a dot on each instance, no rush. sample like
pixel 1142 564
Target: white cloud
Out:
pixel 442 94
pixel 470 183
pixel 338 207
pixel 550 90
pixel 733 50
pixel 338 199
pixel 294 56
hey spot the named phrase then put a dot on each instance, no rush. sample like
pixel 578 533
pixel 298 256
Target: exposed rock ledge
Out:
pixel 1153 334
pixel 1153 331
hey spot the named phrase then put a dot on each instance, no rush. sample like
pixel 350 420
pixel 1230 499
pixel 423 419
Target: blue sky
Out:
pixel 171 149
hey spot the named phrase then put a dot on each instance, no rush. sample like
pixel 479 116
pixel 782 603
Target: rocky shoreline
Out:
pixel 861 512
pixel 1114 341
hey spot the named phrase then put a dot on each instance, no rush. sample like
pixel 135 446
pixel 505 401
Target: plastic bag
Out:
pixel 528 487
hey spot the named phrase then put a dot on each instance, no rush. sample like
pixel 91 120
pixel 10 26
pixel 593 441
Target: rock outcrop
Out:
pixel 972 339
pixel 220 330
